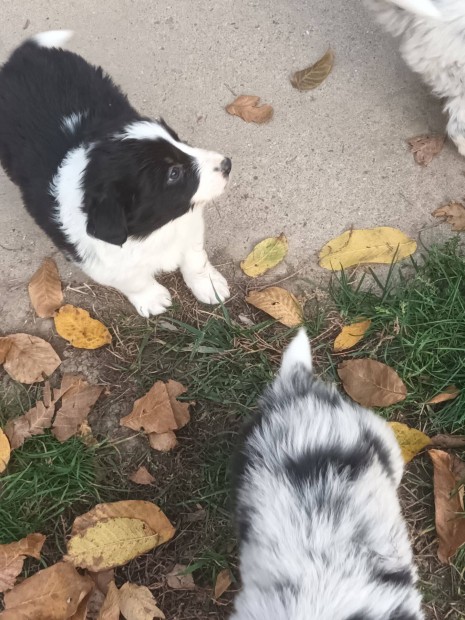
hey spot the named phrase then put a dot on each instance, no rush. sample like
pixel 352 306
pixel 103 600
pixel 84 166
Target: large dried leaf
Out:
pixel 142 476
pixel 371 383
pixel 45 289
pixel 278 303
pixel 77 399
pixel 223 581
pixel 77 327
pixel 54 593
pixel 179 579
pixel 265 255
pixel 5 451
pixel 411 441
pixel 34 422
pixel 110 609
pixel 247 108
pixel 28 359
pixel 163 442
pixel 350 335
pixel 424 148
pixel 449 393
pixel 159 411
pixel 12 557
pixel 137 603
pixel 450 524
pixel 453 213
pixel 370 245
pixel 314 75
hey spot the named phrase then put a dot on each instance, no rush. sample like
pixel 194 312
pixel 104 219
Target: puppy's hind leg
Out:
pixel 455 106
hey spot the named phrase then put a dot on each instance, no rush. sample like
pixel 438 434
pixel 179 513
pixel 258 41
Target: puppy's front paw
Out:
pixel 154 300
pixel 209 286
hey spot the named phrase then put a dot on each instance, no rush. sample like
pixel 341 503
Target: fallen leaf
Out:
pixel 103 579
pixel 178 579
pixel 411 441
pixel 449 393
pixel 424 148
pixel 448 441
pixel 34 422
pixel 53 593
pixel 450 525
pixel 5 451
pixel 45 289
pixel 84 433
pixel 350 335
pixel 223 581
pixel 383 245
pixel 142 476
pixel 81 611
pixel 371 383
pixel 28 359
pixel 137 603
pixel 314 75
pixel 12 557
pixel 278 303
pixel 453 213
pixel 265 255
pixel 247 108
pixel 77 327
pixel 159 411
pixel 110 535
pixel 110 609
pixel 163 442
pixel 76 402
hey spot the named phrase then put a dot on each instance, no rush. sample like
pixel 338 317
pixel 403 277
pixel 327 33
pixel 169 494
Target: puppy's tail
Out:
pixel 425 8
pixel 52 38
pixel 297 354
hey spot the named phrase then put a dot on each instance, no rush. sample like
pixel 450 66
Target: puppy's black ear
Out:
pixel 106 219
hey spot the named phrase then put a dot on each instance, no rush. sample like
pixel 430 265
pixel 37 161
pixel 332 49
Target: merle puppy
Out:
pixel 321 531
pixel 119 193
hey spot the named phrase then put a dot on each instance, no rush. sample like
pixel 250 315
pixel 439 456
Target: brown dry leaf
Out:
pixel 371 383
pixel 278 303
pixel 142 476
pixel 449 393
pixel 110 609
pixel 453 213
pixel 5 451
pixel 82 331
pixel 350 335
pixel 448 441
pixel 223 581
pixel 163 442
pixel 54 593
pixel 424 148
pixel 137 603
pixel 103 579
pixel 83 608
pixel 179 581
pixel 159 411
pixel 77 399
pixel 316 74
pixel 265 255
pixel 34 422
pixel 12 557
pixel 411 440
pixel 84 433
pixel 28 359
pixel 247 108
pixel 450 526
pixel 45 289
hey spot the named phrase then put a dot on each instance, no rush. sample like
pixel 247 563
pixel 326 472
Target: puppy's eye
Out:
pixel 174 174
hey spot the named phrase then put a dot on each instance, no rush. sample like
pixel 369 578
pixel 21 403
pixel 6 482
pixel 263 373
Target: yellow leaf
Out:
pixel 82 331
pixel 350 335
pixel 411 441
pixel 370 245
pixel 265 255
pixel 278 303
pixel 26 358
pixel 137 603
pixel 45 289
pixel 111 542
pixel 316 74
pixel 5 451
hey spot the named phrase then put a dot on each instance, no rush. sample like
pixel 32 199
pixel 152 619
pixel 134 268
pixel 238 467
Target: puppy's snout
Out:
pixel 226 166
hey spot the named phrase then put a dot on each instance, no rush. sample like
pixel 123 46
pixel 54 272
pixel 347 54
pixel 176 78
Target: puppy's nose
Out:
pixel 225 166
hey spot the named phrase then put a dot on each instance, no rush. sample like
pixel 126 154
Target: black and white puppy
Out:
pixel 119 193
